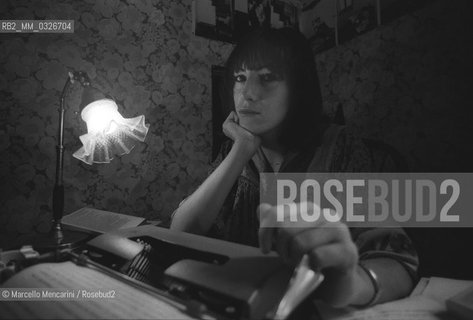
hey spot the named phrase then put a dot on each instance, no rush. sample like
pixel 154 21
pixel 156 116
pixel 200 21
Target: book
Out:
pixel 99 221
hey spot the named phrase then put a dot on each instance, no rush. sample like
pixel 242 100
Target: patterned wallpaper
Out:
pixel 405 82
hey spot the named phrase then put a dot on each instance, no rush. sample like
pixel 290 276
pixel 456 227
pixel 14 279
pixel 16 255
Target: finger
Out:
pixel 235 117
pixel 268 232
pixel 229 126
pixel 265 233
pixel 265 238
pixel 294 215
pixel 231 116
pixel 299 215
pixel 262 211
pixel 308 239
pixel 340 256
pixel 270 217
pixel 284 244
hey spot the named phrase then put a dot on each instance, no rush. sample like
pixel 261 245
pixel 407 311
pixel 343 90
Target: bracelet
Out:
pixel 374 281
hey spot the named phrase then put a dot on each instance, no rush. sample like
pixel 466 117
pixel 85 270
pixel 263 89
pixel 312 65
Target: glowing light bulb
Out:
pixel 101 116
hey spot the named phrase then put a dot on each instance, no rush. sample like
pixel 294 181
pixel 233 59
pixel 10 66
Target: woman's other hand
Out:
pixel 328 245
pixel 246 141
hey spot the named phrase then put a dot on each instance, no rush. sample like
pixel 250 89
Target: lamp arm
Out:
pixel 58 191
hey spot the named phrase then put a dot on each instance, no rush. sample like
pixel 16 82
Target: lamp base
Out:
pixel 57 240
pixel 67 239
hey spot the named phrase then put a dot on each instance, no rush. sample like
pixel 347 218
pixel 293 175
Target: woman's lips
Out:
pixel 248 112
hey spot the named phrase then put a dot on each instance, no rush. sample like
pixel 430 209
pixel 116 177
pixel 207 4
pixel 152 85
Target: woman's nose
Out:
pixel 252 89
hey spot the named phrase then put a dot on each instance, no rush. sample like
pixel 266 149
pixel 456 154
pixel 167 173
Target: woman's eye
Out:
pixel 239 78
pixel 268 77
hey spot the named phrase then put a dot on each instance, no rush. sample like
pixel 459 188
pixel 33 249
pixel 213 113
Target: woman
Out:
pixel 276 125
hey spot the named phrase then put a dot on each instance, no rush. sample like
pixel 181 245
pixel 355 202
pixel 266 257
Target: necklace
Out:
pixel 276 165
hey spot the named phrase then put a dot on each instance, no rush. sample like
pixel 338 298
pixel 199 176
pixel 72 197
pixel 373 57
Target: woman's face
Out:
pixel 261 100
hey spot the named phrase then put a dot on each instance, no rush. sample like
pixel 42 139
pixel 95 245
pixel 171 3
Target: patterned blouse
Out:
pixel 339 151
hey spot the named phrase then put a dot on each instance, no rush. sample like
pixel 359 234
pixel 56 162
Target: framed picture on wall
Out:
pixel 213 19
pixel 240 18
pixel 228 20
pixel 317 21
pixel 259 13
pixel 392 9
pixel 284 14
pixel 355 17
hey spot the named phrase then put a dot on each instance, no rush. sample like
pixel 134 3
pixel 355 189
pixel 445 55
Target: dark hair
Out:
pixel 287 53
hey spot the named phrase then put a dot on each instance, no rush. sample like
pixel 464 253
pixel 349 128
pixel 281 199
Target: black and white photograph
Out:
pixel 236 159
pixel 259 13
pixel 214 19
pixel 393 9
pixel 284 14
pixel 355 17
pixel 318 23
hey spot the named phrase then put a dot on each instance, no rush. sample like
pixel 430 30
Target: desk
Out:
pixel 247 276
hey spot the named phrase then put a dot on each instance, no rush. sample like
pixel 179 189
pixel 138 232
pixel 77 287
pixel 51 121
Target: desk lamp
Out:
pixel 108 134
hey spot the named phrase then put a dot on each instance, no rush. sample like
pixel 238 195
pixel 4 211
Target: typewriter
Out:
pixel 226 280
pixel 232 280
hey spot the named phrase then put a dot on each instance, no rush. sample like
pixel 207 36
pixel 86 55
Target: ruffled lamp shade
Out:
pixel 109 134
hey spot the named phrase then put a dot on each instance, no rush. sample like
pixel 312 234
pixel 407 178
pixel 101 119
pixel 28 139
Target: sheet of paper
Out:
pixel 427 302
pixel 443 288
pixel 100 221
pixel 122 300
pixel 412 308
